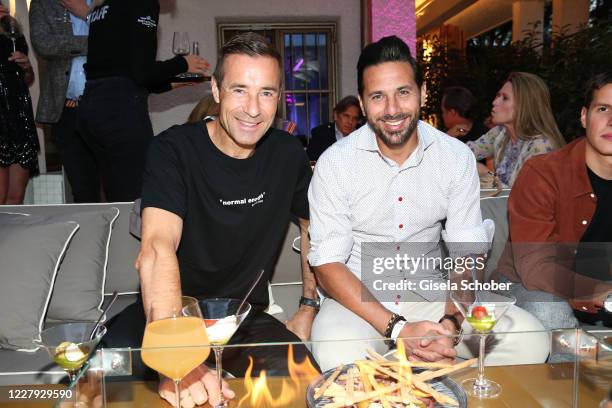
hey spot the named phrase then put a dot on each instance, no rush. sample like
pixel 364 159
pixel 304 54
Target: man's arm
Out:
pixel 157 263
pixel 46 40
pixel 301 322
pixel 540 259
pixel 308 276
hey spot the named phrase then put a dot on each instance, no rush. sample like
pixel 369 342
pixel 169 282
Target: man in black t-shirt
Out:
pixel 217 199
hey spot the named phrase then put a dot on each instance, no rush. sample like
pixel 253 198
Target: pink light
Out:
pixel 394 17
pixel 298 65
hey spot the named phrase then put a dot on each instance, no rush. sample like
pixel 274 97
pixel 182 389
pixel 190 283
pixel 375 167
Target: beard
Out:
pixel 400 137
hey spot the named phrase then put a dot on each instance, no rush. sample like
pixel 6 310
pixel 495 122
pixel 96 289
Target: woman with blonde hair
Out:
pixel 524 127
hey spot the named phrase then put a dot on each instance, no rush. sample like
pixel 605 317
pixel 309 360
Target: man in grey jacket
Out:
pixel 58 32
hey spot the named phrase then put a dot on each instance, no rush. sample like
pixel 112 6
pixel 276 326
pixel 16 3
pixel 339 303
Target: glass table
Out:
pixel 581 379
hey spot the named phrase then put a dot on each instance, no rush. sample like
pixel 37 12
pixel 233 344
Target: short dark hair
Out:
pixel 346 103
pixel 387 49
pixel 249 43
pixel 460 99
pixel 595 84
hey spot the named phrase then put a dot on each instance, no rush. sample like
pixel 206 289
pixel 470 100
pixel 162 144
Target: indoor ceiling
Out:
pixel 472 16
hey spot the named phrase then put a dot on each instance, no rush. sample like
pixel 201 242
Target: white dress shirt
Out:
pixel 339 135
pixel 358 195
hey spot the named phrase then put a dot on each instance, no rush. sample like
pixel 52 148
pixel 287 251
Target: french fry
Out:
pixel 364 377
pixel 365 397
pixel 441 398
pixel 375 355
pixel 380 390
pixel 327 382
pixel 350 387
pixel 392 383
pixel 428 375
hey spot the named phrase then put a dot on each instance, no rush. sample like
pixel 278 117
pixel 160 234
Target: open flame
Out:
pixel 258 390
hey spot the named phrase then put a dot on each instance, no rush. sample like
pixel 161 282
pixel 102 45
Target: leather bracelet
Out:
pixel 395 318
pixel 457 325
pixel 309 302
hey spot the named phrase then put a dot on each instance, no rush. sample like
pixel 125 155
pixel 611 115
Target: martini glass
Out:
pixel 222 321
pixel 70 345
pixel 175 341
pixel 482 310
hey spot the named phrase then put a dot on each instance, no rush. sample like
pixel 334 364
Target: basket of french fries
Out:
pixel 380 382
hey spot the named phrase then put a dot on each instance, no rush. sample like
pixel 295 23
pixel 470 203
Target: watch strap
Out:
pixel 309 302
pixel 453 319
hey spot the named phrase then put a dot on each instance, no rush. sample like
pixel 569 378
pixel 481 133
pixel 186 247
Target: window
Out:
pixel 309 70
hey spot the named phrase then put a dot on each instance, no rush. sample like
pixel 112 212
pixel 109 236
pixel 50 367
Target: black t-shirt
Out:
pixel 594 256
pixel 235 211
pixel 123 42
pixel 600 229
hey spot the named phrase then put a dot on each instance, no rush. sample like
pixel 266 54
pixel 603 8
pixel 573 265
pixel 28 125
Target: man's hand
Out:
pixel 301 322
pixel 589 304
pixel 21 59
pixel 197 387
pixel 177 85
pixel 434 349
pixel 197 64
pixel 77 7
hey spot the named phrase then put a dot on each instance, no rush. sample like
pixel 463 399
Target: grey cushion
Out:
pixel 120 273
pixel 79 289
pixel 30 249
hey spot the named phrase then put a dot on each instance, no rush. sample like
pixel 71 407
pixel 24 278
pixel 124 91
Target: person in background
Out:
pixel 458 115
pixel 347 114
pixel 524 127
pixel 62 44
pixel 121 70
pixel 18 137
pixel 207 109
pixel 563 200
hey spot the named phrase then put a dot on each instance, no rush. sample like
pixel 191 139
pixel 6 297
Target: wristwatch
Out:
pixel 457 325
pixel 608 303
pixel 310 302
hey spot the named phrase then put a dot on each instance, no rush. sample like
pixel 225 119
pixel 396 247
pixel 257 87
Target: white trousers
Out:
pixel 335 325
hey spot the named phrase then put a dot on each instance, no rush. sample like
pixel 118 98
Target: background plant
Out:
pixel 565 65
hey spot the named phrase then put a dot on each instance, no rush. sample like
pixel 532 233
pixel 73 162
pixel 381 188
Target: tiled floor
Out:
pixel 45 189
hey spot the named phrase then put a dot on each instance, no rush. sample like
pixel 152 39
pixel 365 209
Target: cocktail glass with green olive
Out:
pixel 482 310
pixel 70 345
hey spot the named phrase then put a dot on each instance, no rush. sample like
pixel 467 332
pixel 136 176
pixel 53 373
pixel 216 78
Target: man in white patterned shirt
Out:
pixel 394 182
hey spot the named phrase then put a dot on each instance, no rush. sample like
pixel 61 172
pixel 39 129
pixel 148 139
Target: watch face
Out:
pixel 608 304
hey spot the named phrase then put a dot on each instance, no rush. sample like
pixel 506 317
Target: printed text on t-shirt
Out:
pixel 253 201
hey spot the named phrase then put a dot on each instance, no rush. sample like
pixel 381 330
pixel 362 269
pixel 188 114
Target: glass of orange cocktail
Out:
pixel 175 341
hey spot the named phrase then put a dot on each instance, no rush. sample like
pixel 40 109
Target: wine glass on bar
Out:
pixel 222 320
pixel 175 342
pixel 180 43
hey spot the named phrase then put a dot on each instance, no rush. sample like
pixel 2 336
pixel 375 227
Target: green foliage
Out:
pixel 565 65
